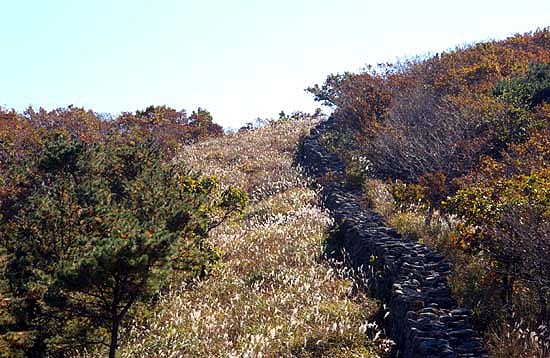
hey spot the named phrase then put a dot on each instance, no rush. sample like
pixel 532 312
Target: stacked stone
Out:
pixel 424 319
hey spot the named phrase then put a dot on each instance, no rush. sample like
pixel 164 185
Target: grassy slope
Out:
pixel 273 296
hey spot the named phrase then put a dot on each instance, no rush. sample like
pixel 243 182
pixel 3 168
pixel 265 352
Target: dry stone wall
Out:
pixel 410 278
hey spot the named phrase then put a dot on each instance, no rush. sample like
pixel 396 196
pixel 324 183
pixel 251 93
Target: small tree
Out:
pixel 360 100
pixel 98 229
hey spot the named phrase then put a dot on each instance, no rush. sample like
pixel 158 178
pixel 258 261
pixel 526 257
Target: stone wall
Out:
pixel 411 279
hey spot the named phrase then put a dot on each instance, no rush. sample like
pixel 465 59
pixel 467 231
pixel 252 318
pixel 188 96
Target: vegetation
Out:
pixel 453 149
pixel 113 244
pixel 89 231
pixel 273 295
pixel 21 132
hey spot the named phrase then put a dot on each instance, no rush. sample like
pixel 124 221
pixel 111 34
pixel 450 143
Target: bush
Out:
pixel 361 99
pixel 421 135
pixel 508 220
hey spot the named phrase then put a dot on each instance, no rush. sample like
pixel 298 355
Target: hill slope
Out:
pixel 273 296
pixel 453 150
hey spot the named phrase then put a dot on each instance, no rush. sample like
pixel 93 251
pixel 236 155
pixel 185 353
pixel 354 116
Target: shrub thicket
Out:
pixel 464 135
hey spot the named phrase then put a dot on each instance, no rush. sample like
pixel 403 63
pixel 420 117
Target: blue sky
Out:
pixel 240 59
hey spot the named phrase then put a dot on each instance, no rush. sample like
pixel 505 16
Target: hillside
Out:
pixel 452 150
pixel 273 295
pixel 425 208
pixel 112 246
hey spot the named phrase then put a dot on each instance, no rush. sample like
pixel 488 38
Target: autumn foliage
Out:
pixel 170 127
pixel 464 134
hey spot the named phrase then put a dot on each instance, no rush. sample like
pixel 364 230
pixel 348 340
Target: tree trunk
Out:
pixel 507 293
pixel 114 337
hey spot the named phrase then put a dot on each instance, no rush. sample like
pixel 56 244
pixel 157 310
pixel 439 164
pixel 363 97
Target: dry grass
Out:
pixel 273 296
pixel 518 340
pixel 411 221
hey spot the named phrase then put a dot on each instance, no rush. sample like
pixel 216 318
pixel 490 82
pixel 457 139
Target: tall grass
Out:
pixel 274 295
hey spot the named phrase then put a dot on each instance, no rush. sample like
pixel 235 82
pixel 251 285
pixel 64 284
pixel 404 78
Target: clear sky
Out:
pixel 239 59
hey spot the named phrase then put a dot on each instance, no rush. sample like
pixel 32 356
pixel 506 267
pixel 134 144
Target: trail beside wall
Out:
pixel 411 279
